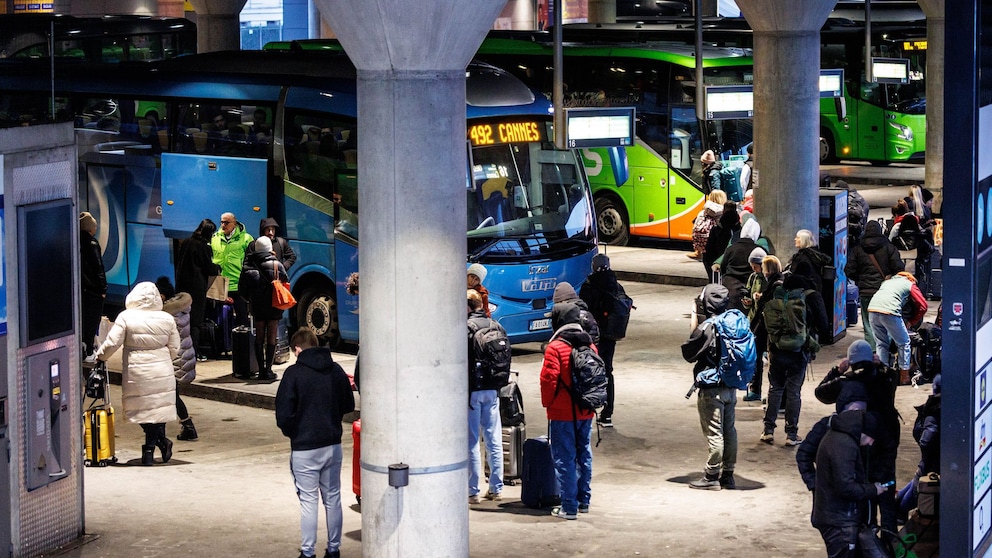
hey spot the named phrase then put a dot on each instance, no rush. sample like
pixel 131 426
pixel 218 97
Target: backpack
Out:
pixel 738 354
pixel 511 405
pixel 491 352
pixel 589 324
pixel 785 319
pixel 730 182
pixel 588 388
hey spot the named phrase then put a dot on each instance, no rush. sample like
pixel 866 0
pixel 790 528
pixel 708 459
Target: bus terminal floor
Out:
pixel 231 492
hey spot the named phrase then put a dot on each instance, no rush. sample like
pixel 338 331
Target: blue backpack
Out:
pixel 730 182
pixel 735 343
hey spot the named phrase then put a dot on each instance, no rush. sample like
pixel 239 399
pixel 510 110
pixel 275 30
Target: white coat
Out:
pixel 151 342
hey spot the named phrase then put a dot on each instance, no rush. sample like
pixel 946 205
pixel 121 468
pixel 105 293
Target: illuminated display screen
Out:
pixel 890 70
pixel 729 101
pixel 831 83
pixel 495 132
pixel 599 127
pixel 914 45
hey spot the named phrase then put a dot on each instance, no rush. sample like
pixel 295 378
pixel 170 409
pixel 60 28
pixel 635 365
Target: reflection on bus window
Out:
pixel 211 129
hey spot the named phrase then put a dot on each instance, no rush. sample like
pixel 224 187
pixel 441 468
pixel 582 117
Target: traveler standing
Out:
pixel 711 171
pixel 261 268
pixel 755 285
pixel 569 426
pixel 806 251
pixel 841 485
pixel 870 261
pixel 194 267
pixel 229 246
pixel 705 220
pixel 748 178
pixel 151 342
pixel 708 347
pixel 475 275
pixel 488 371
pixel 721 235
pixel 311 401
pixel 178 306
pixel 280 246
pixel 600 291
pixel 93 280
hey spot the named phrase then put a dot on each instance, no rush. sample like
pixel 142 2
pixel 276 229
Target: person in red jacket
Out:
pixel 570 428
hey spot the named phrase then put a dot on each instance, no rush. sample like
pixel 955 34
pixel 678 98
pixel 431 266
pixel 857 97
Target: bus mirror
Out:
pixel 841 104
pixel 680 150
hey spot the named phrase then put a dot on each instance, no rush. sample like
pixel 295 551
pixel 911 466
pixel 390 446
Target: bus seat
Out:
pixel 494 201
pixel 200 141
pixel 163 139
pixel 350 158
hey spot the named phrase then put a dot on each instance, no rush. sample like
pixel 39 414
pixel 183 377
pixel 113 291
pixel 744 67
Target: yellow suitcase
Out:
pixel 99 437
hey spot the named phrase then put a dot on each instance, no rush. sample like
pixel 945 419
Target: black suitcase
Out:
pixel 207 344
pixel 243 363
pixel 539 484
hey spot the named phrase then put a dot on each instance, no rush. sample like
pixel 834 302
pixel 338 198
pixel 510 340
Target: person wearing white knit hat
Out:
pixel 476 275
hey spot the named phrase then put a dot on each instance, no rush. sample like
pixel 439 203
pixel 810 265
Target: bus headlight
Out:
pixel 492 308
pixel 902 132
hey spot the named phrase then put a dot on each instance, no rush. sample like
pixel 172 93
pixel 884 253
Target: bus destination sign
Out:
pixel 496 132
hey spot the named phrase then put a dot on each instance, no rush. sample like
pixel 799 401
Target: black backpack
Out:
pixel 588 389
pixel 491 353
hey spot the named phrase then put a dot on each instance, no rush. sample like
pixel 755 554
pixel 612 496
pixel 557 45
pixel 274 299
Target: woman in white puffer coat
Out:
pixel 151 342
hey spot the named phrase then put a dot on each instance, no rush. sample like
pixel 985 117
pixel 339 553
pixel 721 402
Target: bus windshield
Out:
pixel 526 199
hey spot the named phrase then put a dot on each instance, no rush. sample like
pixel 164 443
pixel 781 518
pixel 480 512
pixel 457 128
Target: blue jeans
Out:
pixel 483 411
pixel 318 470
pixel 571 448
pixel 888 328
pixel 716 416
pixel 786 373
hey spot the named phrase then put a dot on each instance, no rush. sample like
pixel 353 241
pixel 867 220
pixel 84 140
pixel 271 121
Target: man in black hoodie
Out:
pixel 840 484
pixel 314 395
pixel 870 262
pixel 599 292
pixel 280 246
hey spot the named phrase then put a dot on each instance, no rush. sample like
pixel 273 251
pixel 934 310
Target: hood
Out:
pixel 715 298
pixel 567 312
pixel 573 334
pixel 797 281
pixel 144 296
pixel 751 229
pixel 712 208
pixel 730 220
pixel 873 239
pixel 182 302
pixel 733 324
pixel 907 275
pixel 267 222
pixel 848 422
pixel 316 358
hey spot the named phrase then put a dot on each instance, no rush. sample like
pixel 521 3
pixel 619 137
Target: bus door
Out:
pixel 685 171
pixel 197 187
pixel 871 122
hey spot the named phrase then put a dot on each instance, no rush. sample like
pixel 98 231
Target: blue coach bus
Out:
pixel 273 134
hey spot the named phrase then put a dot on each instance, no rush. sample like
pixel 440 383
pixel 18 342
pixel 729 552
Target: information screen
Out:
pixel 890 70
pixel 729 101
pixel 599 127
pixel 831 83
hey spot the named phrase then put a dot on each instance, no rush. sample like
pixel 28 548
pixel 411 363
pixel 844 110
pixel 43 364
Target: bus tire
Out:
pixel 828 148
pixel 318 311
pixel 612 223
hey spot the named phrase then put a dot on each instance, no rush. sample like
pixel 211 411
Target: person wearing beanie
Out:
pixel 756 283
pixel 261 268
pixel 563 292
pixel 93 281
pixel 476 274
pixel 841 486
pixel 711 172
pixel 853 397
pixel 601 293
pixel 567 308
pixel 735 266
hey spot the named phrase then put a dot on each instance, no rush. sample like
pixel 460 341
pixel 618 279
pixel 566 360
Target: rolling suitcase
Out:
pixel 853 296
pixel 513 451
pixel 223 334
pixel 98 420
pixel 539 484
pixel 356 460
pixel 243 362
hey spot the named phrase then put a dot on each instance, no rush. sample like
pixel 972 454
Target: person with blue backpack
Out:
pixel 723 350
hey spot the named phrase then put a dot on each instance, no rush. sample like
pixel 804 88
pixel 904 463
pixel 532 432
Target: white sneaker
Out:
pixel 767 438
pixel 474 499
pixel 560 512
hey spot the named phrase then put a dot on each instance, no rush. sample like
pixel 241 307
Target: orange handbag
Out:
pixel 282 298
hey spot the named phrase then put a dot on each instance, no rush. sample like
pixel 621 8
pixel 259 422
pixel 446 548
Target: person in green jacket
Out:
pixel 229 245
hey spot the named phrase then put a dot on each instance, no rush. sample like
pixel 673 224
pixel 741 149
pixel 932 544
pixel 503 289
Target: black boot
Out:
pixel 188 433
pixel 260 359
pixel 727 480
pixel 164 444
pixel 265 366
pixel 147 455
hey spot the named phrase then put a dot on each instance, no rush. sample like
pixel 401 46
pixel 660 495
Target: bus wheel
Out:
pixel 611 221
pixel 318 311
pixel 828 150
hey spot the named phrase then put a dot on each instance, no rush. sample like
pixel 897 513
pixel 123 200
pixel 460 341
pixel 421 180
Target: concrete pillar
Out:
pixel 786 115
pixel 296 19
pixel 411 117
pixel 602 11
pixel 218 25
pixel 934 173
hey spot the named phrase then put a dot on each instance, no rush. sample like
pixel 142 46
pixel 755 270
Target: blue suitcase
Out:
pixel 853 296
pixel 539 486
pixel 223 341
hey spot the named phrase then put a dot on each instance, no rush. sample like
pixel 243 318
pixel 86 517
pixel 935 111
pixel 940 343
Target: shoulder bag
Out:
pixel 282 298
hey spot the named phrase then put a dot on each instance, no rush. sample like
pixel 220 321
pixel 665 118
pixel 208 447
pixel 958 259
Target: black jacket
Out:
pixel 284 253
pixel 806 453
pixel 840 484
pixel 816 259
pixel 194 266
pixel 720 236
pixel 313 396
pixel 599 292
pixel 257 274
pixel 859 266
pixel 94 278
pixel 701 347
pixel 736 259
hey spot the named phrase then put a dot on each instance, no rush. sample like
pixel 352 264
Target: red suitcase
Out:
pixel 356 460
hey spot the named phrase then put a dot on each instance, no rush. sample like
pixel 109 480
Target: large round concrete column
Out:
pixel 218 25
pixel 934 173
pixel 602 11
pixel 786 115
pixel 412 156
